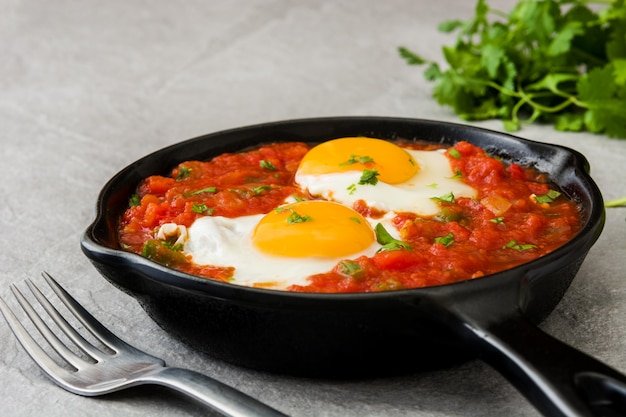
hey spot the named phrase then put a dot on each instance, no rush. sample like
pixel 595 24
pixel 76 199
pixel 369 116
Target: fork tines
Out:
pixel 35 350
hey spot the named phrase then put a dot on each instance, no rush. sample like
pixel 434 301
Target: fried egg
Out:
pixel 283 247
pixel 384 175
pixel 303 238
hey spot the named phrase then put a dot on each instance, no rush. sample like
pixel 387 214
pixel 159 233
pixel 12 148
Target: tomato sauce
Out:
pixel 517 216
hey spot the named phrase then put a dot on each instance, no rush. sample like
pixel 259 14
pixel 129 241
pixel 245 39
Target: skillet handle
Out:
pixel 558 379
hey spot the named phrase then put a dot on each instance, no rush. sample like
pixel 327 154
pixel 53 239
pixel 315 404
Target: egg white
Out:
pixel 222 241
pixel 434 179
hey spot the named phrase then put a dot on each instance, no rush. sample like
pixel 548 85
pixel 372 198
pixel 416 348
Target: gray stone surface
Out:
pixel 86 87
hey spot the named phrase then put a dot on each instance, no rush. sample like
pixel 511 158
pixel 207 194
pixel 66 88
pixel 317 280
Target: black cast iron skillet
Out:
pixel 346 335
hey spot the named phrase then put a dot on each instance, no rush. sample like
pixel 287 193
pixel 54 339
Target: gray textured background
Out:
pixel 87 87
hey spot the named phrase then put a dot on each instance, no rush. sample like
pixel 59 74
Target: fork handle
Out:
pixel 211 392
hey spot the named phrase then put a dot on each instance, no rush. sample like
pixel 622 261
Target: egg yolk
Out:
pixel 313 228
pixel 393 164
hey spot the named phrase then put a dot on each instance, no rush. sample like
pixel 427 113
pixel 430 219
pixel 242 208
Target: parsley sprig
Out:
pixel 555 61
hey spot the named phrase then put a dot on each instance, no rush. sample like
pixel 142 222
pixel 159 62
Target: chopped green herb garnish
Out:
pixel 355 219
pixel 160 252
pixel 350 269
pixel 267 165
pixel 454 153
pixel 294 217
pixel 390 285
pixel 202 208
pixel 183 172
pixel 204 190
pixel 549 197
pixel 520 247
pixel 387 241
pixel 134 200
pixel 369 177
pixel 446 240
pixel 497 220
pixel 457 174
pixel 261 188
pixel 446 198
pixel 354 159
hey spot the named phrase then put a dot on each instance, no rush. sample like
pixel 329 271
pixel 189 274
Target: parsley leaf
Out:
pixel 548 197
pixel 411 57
pixel 354 159
pixel 267 165
pixel 295 217
pixel 551 61
pixel 350 269
pixel 369 176
pixel 387 241
pixel 446 240
pixel 497 220
pixel 261 188
pixel 520 247
pixel 201 208
pixel 203 190
pixel 446 198
pixel 134 200
pixel 454 153
pixel 183 172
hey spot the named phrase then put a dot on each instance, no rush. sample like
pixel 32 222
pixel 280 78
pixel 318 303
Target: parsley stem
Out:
pixel 498 87
pixel 617 202
pixel 528 98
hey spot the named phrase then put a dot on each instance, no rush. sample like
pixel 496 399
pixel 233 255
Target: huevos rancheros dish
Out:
pixel 354 214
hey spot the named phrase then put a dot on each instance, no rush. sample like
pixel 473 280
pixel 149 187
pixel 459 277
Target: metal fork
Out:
pixel 123 366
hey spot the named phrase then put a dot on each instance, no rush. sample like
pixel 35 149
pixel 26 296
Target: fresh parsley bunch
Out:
pixel 551 61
